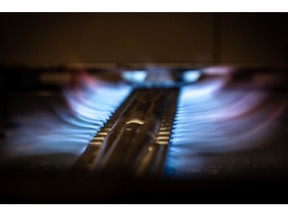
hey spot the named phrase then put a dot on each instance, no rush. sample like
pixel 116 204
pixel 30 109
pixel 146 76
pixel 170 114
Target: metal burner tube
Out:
pixel 133 132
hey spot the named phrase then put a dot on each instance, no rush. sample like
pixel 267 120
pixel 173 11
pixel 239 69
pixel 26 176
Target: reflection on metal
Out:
pixel 135 121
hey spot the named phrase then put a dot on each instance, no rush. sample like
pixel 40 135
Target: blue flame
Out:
pixel 70 131
pixel 191 75
pixel 135 76
pixel 211 119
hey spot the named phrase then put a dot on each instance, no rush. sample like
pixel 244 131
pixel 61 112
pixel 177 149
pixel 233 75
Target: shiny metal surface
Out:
pixel 137 142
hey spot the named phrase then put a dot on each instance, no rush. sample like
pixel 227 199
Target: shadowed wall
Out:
pixel 143 37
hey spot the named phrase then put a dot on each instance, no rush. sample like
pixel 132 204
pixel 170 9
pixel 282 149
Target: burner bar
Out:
pixel 87 160
pixel 153 161
pixel 135 140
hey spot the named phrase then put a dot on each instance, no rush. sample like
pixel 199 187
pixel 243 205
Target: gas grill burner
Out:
pixel 135 139
pixel 147 123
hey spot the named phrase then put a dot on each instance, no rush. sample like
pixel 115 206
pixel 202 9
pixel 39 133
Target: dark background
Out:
pixel 199 38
